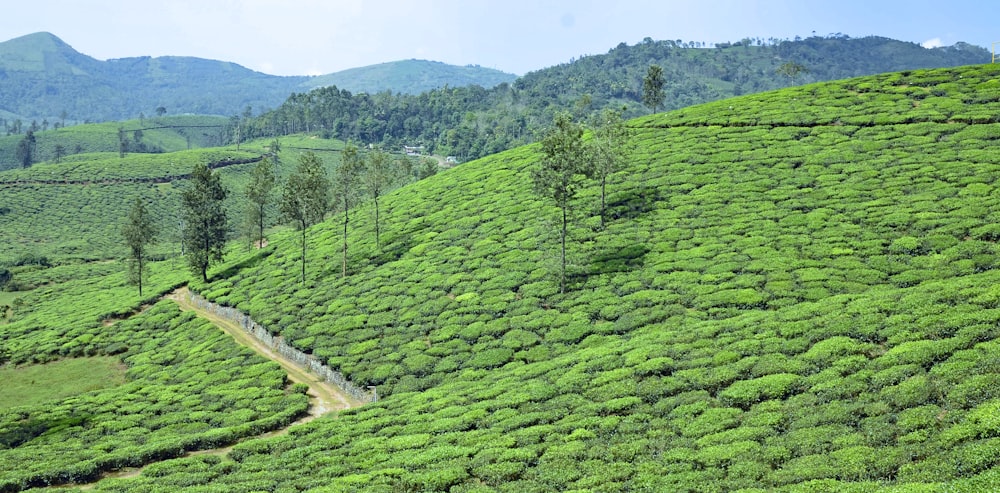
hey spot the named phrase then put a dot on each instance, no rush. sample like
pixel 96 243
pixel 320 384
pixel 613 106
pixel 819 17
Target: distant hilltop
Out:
pixel 44 77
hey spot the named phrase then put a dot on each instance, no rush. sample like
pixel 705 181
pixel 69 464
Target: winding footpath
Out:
pixel 324 397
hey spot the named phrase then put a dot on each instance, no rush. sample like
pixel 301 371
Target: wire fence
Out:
pixel 278 344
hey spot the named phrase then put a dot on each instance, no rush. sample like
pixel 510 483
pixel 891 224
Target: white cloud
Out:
pixel 932 43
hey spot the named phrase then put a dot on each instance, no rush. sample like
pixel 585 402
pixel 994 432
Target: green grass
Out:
pixel 36 384
pixel 7 297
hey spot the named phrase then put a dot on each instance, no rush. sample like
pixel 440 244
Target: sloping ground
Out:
pixel 188 387
pixel 326 397
pixel 73 210
pixel 796 292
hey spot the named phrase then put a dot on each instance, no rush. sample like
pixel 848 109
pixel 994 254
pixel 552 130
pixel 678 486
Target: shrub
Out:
pixel 745 393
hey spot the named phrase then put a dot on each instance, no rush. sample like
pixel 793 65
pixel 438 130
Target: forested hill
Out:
pixel 43 77
pixel 696 74
pixel 411 77
pixel 471 122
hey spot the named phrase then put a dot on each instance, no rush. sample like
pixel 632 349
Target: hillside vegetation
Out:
pixel 150 135
pixel 795 291
pixel 73 210
pixel 471 122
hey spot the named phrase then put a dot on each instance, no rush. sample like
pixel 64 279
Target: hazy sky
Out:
pixel 300 37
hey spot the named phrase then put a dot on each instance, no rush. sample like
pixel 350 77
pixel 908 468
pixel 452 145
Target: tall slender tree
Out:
pixel 272 152
pixel 26 150
pixel 305 197
pixel 607 151
pixel 258 192
pixel 204 220
pixel 652 88
pixel 139 232
pixel 122 142
pixel 345 184
pixel 377 177
pixel 557 175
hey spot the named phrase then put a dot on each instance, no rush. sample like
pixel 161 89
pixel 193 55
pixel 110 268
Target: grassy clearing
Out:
pixel 36 384
pixel 8 297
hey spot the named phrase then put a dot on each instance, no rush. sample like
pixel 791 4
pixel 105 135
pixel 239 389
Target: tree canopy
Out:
pixel 305 197
pixel 557 174
pixel 204 235
pixel 138 231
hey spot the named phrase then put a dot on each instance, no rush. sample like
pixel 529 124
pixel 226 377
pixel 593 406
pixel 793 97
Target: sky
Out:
pixel 312 37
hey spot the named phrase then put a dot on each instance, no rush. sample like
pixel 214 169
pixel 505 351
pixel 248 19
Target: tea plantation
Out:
pixel 794 291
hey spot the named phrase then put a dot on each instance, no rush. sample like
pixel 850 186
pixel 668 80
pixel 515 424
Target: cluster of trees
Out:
pixel 305 197
pixel 567 157
pixel 16 126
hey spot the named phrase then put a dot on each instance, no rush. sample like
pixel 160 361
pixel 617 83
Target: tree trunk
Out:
pixel 204 266
pixel 344 270
pixel 139 261
pixel 378 244
pixel 562 274
pixel 604 181
pixel 260 216
pixel 303 255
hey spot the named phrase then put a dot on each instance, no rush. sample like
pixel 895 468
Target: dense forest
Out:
pixel 470 122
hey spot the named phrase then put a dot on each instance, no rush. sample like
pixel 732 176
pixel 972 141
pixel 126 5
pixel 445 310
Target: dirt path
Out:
pixel 325 396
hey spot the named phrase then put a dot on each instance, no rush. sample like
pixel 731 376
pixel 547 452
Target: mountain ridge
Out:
pixel 44 76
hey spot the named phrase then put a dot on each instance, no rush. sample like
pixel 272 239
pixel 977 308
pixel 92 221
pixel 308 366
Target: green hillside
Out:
pixel 149 135
pixel 410 77
pixel 73 210
pixel 795 291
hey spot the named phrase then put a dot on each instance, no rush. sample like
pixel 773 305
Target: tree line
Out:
pixel 302 199
pixel 307 194
pixel 471 122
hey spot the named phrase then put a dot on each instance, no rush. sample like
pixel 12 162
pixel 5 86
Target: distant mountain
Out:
pixel 695 74
pixel 411 77
pixel 43 77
